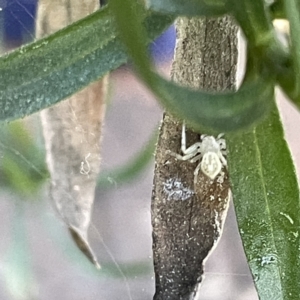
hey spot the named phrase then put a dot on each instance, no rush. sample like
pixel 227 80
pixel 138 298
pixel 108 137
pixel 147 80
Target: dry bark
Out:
pixel 72 132
pixel 187 220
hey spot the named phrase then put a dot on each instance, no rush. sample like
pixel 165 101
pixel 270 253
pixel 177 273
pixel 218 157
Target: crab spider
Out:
pixel 209 151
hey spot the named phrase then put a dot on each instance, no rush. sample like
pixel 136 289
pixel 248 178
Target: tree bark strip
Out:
pixel 187 220
pixel 72 132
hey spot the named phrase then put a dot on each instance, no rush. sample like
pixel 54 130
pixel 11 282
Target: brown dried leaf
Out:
pixel 72 132
pixel 187 220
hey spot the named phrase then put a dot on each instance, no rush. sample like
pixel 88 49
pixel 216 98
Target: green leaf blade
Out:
pixel 266 198
pixel 205 112
pixel 188 8
pixel 132 168
pixel 217 112
pixel 254 19
pixel 292 11
pixel 49 70
pixel 22 167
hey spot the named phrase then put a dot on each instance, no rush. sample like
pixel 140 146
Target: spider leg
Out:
pixel 222 143
pixel 183 138
pixel 197 157
pixel 182 157
pixel 223 160
pixel 196 172
pixel 192 149
pixel 224 152
pixel 220 136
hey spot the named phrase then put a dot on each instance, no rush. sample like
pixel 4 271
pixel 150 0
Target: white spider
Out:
pixel 209 151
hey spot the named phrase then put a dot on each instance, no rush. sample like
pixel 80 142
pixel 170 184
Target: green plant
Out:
pixel 267 190
pixel 266 193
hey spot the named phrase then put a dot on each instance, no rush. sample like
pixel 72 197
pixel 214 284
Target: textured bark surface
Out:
pixel 72 132
pixel 187 220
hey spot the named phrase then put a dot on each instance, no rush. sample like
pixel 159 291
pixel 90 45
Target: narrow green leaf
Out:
pixel 212 112
pixel 42 73
pixel 204 111
pixel 292 10
pixel 132 168
pixel 22 166
pixel 266 198
pixel 254 20
pixel 276 9
pixel 17 178
pixel 188 8
pixel 254 17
